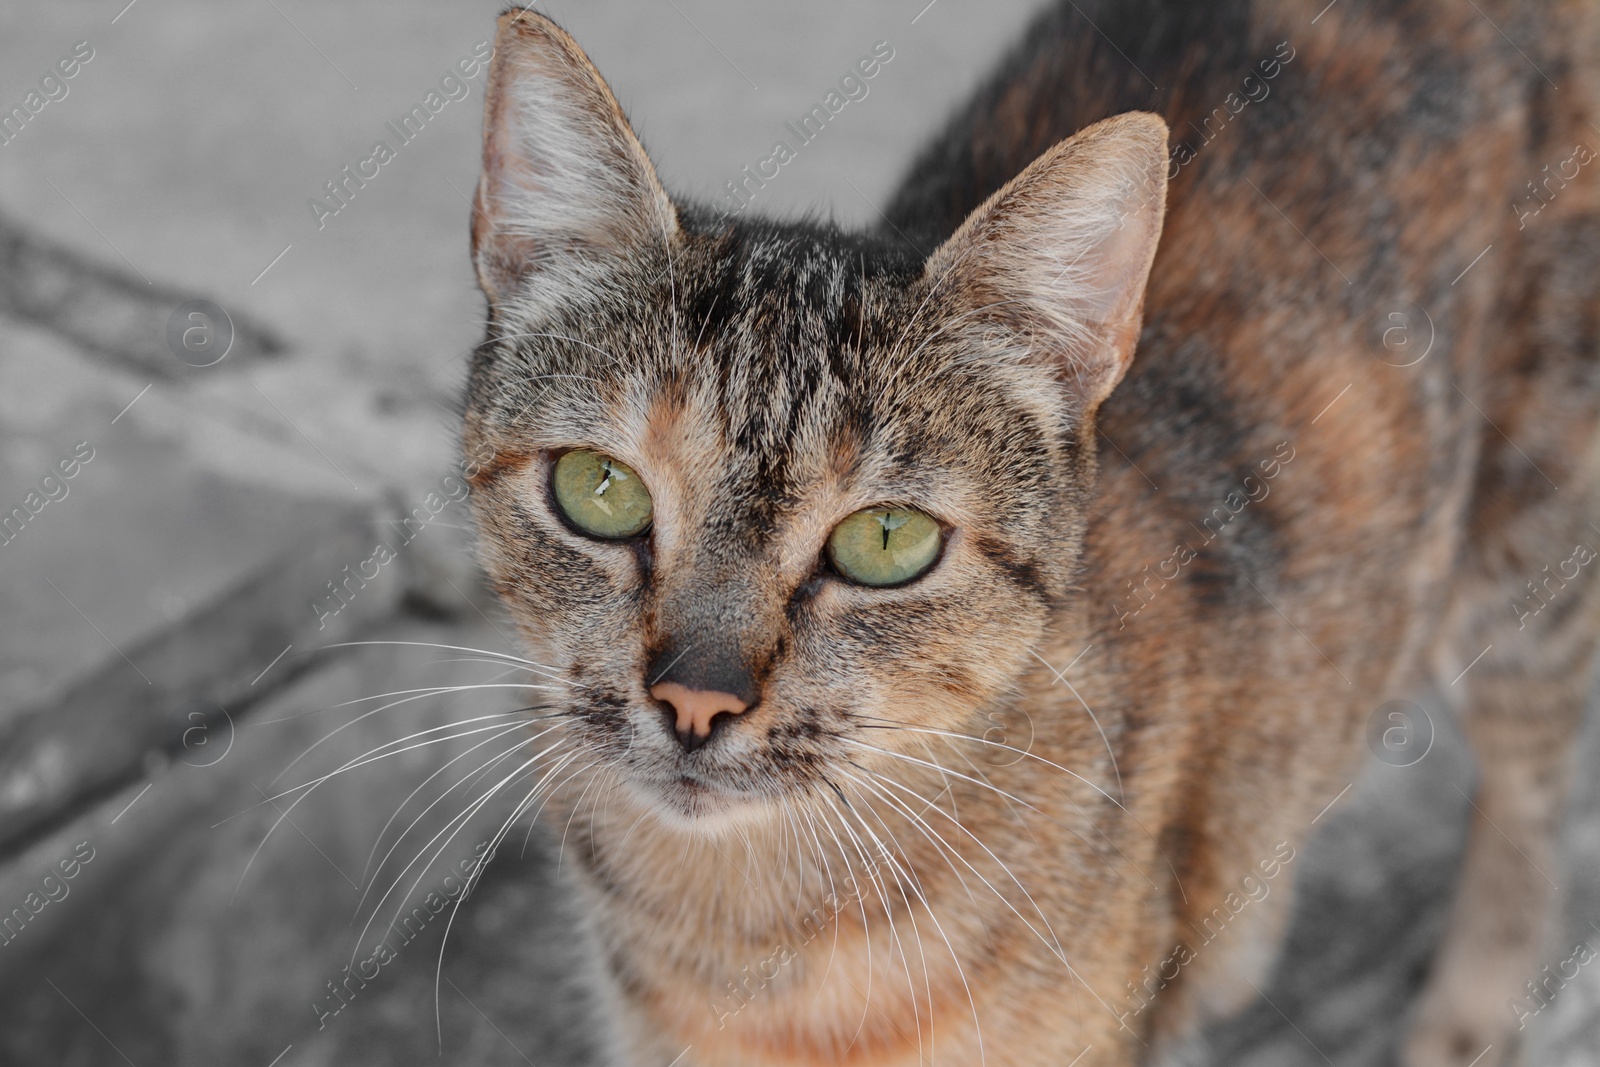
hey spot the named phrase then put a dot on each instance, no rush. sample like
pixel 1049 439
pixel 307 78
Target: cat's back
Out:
pixel 1381 257
pixel 1355 88
pixel 1363 406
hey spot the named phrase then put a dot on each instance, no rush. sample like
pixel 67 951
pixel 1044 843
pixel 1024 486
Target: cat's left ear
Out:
pixel 567 193
pixel 1055 263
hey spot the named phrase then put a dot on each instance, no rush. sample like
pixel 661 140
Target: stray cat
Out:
pixel 956 625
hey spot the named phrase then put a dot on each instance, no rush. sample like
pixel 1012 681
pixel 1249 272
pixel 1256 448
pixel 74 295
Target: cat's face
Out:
pixel 763 394
pixel 742 390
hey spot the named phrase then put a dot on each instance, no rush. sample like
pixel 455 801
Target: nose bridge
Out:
pixel 706 635
pixel 713 619
pixel 702 669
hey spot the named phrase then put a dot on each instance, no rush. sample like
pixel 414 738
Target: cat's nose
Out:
pixel 695 709
pixel 699 682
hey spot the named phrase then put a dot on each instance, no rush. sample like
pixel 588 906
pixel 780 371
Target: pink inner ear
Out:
pixel 1115 267
pixel 1063 250
pixel 564 177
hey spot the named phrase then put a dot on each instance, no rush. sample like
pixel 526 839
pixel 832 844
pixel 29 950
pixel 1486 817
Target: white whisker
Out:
pixel 922 955
pixel 504 656
pixel 421 694
pixel 937 841
pixel 463 780
pixel 868 868
pixel 1061 676
pixel 472 880
pixel 886 724
pixel 311 787
pixel 373 755
pixel 1052 942
pixel 462 818
pixel 942 770
pixel 559 337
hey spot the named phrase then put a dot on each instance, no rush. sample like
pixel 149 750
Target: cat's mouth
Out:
pixel 695 800
pixel 732 774
pixel 692 795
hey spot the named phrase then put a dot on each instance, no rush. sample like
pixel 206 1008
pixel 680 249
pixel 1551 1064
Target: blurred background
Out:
pixel 265 392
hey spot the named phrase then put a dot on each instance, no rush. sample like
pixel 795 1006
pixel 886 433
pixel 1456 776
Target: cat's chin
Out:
pixel 692 804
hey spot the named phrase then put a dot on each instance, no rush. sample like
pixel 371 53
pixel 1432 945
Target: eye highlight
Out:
pixel 884 546
pixel 601 496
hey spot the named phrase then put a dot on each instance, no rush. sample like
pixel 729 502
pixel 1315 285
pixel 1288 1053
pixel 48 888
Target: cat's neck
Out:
pixel 776 930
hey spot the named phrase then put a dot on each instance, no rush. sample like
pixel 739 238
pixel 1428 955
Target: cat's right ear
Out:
pixel 1056 261
pixel 567 192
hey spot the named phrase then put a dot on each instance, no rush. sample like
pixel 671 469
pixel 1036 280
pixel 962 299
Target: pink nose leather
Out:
pixel 696 707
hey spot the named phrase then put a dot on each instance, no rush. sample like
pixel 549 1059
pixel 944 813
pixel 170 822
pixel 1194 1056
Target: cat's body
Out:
pixel 1296 515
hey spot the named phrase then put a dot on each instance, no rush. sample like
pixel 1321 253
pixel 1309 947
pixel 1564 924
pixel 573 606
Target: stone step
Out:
pixel 197 934
pixel 157 330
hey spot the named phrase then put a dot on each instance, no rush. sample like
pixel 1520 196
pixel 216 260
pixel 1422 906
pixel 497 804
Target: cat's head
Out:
pixel 756 489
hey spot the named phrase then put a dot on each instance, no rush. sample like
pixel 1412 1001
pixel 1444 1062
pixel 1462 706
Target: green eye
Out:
pixel 602 497
pixel 884 546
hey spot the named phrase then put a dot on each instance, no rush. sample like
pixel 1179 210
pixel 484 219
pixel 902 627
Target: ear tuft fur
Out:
pixel 567 190
pixel 1060 255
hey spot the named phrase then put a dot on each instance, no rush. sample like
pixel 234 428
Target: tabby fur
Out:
pixel 969 817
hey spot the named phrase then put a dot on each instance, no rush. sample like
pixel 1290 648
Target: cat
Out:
pixel 958 625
